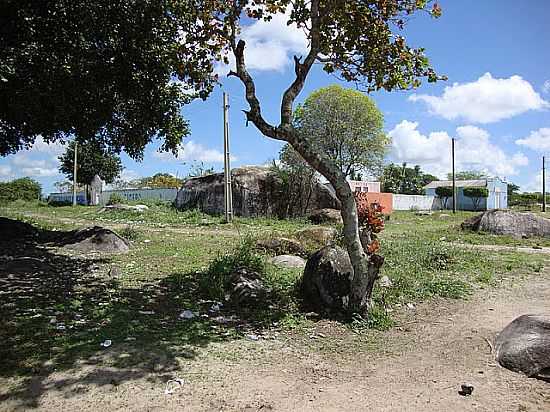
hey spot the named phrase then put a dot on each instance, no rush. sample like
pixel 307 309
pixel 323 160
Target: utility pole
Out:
pixel 74 171
pixel 543 185
pixel 454 180
pixel 227 192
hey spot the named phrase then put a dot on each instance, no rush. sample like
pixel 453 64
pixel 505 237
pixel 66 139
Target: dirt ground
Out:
pixel 417 366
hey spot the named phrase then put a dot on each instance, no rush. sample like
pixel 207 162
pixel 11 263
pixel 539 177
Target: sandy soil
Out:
pixel 417 366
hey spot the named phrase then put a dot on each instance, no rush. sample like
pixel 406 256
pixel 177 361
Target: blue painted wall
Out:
pixel 498 197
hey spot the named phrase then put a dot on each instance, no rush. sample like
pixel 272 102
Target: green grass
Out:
pixel 178 259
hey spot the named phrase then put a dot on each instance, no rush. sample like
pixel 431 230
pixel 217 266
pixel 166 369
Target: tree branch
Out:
pixel 301 69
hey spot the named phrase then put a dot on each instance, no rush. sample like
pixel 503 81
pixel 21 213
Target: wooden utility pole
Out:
pixel 227 192
pixel 543 185
pixel 454 180
pixel 74 171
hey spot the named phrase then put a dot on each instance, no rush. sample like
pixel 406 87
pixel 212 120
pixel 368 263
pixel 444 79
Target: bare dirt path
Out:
pixel 417 366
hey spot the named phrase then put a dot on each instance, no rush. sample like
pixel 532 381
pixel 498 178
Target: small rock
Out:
pixel 187 314
pixel 466 389
pixel 253 337
pixel 410 306
pixel 106 343
pixel 385 282
pixel 147 241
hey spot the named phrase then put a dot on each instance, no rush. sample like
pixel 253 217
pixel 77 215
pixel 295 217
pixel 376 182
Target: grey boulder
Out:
pixel 507 222
pixel 524 346
pixel 326 283
pixel 288 261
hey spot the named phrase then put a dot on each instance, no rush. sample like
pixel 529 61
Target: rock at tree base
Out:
pixel 327 279
pixel 325 216
pixel 96 239
pixel 524 346
pixel 257 191
pixel 321 236
pixel 506 222
pixel 281 246
pixel 247 288
pixel 288 261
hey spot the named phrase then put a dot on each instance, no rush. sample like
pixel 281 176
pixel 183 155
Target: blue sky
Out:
pixel 495 103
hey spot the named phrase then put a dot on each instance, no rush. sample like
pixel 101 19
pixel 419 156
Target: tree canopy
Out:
pixel 468 175
pixel 23 188
pixel 93 158
pixel 95 69
pixel 345 125
pixel 405 180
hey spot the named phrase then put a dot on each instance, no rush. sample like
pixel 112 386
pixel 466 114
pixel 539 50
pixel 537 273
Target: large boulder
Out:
pixel 506 222
pixel 95 239
pixel 326 283
pixel 524 346
pixel 281 246
pixel 317 236
pixel 246 288
pixel 257 191
pixel 288 261
pixel 320 216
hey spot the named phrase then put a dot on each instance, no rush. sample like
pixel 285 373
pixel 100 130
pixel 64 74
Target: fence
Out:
pixel 130 195
pixel 420 202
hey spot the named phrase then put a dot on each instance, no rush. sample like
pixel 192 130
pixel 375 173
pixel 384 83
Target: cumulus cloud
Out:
pixel 537 140
pixel 5 172
pixel 191 151
pixel 534 185
pixel 474 150
pixel 486 100
pixel 269 45
pixel 546 87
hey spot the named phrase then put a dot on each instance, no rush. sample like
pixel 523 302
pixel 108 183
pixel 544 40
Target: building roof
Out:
pixel 459 183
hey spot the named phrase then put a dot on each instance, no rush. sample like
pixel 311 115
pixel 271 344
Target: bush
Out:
pixel 214 281
pixel 20 189
pixel 116 199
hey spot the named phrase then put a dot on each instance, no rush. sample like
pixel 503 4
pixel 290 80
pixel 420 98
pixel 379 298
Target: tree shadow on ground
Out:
pixel 57 309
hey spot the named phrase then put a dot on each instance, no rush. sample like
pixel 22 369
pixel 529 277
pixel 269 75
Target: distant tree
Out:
pixel 158 181
pixel 444 192
pixel 298 178
pixel 468 175
pixel 93 158
pixel 405 180
pixel 346 126
pixel 512 189
pixel 66 186
pixel 23 188
pixel 476 194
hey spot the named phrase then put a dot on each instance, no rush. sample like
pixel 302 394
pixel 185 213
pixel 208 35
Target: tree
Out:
pixel 93 159
pixel 345 125
pixel 23 188
pixel 468 175
pixel 96 69
pixel 352 39
pixel 476 194
pixel 298 178
pixel 444 192
pixel 405 180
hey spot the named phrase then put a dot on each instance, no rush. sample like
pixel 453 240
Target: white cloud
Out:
pixel 537 140
pixel 191 151
pixel 534 185
pixel 269 45
pixel 546 87
pixel 5 172
pixel 473 150
pixel 486 100
pixel 40 146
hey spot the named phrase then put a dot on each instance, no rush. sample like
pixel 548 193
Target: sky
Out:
pixel 496 102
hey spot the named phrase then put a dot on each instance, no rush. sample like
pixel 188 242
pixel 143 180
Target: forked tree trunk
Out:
pixel 366 267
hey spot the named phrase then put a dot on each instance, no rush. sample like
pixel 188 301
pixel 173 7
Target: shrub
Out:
pixel 214 281
pixel 116 199
pixel 20 189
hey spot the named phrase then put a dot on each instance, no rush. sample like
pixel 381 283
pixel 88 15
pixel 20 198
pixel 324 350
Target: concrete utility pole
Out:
pixel 454 180
pixel 543 185
pixel 74 171
pixel 227 192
